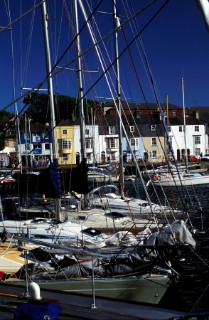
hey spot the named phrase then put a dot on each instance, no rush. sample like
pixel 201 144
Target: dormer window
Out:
pixel 36 137
pixel 132 129
pixel 112 130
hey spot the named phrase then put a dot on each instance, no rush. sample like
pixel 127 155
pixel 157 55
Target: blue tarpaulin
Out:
pixel 38 310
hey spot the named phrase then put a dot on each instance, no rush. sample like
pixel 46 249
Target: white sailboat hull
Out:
pixel 185 180
pixel 49 232
pixel 144 289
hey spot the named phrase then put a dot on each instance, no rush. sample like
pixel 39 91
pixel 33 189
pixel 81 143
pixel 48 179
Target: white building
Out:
pixel 191 137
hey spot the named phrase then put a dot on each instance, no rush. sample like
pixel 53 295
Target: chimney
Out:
pixel 196 114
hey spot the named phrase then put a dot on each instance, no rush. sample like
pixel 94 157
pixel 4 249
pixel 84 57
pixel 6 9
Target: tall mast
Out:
pixel 80 92
pixel 203 6
pixel 184 116
pixel 118 101
pixel 167 137
pixel 51 101
pixel 79 78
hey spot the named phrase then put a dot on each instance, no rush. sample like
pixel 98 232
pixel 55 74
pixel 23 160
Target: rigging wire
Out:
pixel 148 72
pixel 108 83
pixel 90 48
pixel 21 17
pixel 151 78
pixel 124 113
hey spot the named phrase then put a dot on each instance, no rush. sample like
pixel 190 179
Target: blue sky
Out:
pixel 176 44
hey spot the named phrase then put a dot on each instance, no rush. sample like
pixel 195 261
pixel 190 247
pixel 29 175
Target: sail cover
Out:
pixel 47 181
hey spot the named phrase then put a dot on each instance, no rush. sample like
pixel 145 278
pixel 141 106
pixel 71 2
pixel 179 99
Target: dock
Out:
pixel 76 307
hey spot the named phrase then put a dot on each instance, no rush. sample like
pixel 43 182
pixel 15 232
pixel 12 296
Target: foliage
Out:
pixel 65 108
pixel 4 115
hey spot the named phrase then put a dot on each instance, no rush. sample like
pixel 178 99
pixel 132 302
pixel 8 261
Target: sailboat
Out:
pixel 108 197
pixel 141 286
pixel 55 228
pixel 87 278
pixel 140 275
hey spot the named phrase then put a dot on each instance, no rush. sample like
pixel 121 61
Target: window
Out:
pixel 169 128
pixel 64 131
pixel 196 128
pixel 37 146
pixel 65 157
pixel 197 140
pixel 88 156
pixel 180 129
pixel 154 142
pixel 153 127
pixel 27 147
pixel 112 143
pixel 173 114
pixel 66 144
pixel 36 137
pixel 154 154
pixel 89 143
pixel 132 129
pixel 47 146
pixel 112 130
pixel 87 132
pixel 134 142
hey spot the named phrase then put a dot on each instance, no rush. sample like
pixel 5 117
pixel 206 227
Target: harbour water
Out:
pixel 191 290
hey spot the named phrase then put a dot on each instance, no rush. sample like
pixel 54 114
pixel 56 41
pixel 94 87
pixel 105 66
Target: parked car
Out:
pixel 192 158
pixel 205 157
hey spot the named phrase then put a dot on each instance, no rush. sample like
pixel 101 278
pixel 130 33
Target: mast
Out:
pixel 118 101
pixel 79 78
pixel 185 141
pixel 108 83
pixel 51 101
pixel 80 97
pixel 203 6
pixel 167 150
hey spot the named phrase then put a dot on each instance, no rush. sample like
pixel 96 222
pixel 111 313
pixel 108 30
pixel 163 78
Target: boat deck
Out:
pixel 99 219
pixel 77 307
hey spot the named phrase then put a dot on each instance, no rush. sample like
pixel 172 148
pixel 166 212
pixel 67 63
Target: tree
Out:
pixel 65 107
pixel 5 116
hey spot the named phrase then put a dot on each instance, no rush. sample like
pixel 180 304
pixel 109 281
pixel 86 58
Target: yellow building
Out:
pixel 65 142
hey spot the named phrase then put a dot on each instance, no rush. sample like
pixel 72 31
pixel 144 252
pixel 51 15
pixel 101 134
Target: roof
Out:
pixel 142 106
pixel 189 121
pixel 66 122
